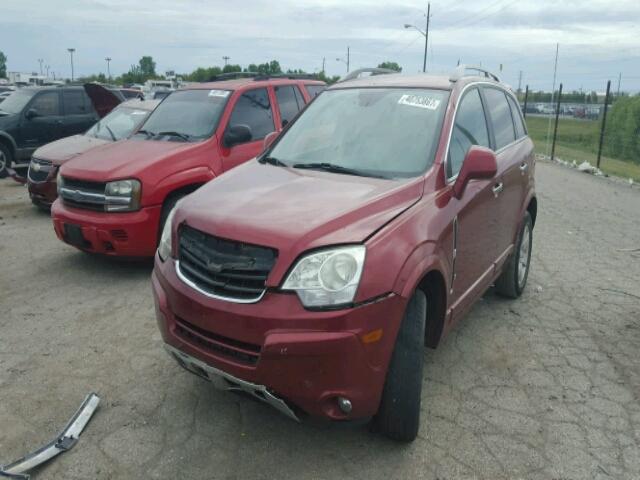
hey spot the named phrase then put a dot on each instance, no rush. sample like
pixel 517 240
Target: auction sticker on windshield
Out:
pixel 219 93
pixel 420 101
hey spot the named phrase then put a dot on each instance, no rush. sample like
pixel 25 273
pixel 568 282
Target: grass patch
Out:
pixel 577 141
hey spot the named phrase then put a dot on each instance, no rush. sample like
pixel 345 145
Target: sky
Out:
pixel 599 40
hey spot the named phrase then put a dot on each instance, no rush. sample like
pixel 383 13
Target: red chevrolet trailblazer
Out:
pixel 114 199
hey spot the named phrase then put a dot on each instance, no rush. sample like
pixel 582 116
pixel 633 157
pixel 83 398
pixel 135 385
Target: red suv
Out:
pixel 313 277
pixel 114 199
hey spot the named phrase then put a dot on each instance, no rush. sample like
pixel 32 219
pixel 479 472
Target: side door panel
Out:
pixel 252 108
pixel 47 126
pixel 79 115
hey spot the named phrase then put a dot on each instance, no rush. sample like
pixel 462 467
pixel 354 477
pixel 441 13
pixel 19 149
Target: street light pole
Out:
pixel 108 59
pixel 40 61
pixel 71 50
pixel 347 61
pixel 426 39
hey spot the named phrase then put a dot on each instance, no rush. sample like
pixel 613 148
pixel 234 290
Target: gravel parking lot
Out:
pixel 546 387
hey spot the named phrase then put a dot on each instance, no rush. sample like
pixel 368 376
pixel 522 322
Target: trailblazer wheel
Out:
pixel 5 160
pixel 513 279
pixel 399 414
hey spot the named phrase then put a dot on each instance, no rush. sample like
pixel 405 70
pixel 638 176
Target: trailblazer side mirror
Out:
pixel 479 162
pixel 31 113
pixel 236 134
pixel 268 140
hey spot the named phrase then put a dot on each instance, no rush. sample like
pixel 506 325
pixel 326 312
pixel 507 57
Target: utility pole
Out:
pixel 226 59
pixel 520 82
pixel 48 67
pixel 108 60
pixel 426 39
pixel 619 80
pixel 323 61
pixel 71 50
pixel 604 123
pixel 553 91
pixel 40 61
pixel 348 59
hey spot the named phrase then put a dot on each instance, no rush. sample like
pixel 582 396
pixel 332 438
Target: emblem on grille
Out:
pixel 35 167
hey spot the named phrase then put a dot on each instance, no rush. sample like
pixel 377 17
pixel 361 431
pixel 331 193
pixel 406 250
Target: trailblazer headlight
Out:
pixel 122 196
pixel 164 248
pixel 327 277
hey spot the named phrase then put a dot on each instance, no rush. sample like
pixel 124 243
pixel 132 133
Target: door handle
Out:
pixel 498 187
pixel 524 167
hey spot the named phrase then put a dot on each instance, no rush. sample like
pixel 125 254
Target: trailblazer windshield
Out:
pixel 387 132
pixel 186 115
pixel 119 124
pixel 15 102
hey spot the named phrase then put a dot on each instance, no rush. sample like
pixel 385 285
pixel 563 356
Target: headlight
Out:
pixel 328 277
pixel 164 248
pixel 122 196
pixel 59 182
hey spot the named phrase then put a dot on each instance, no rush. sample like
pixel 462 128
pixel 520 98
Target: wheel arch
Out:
pixel 8 141
pixel 532 208
pixel 433 285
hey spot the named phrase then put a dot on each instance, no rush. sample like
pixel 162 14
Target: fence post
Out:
pixel 555 128
pixel 526 97
pixel 604 122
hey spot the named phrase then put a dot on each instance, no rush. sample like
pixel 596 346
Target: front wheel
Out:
pixel 513 279
pixel 399 415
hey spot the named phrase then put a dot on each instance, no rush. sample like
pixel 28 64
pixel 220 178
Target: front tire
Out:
pixel 399 415
pixel 513 279
pixel 5 160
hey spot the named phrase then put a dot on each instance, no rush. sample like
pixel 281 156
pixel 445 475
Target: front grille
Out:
pixel 232 270
pixel 39 170
pixel 242 352
pixel 83 194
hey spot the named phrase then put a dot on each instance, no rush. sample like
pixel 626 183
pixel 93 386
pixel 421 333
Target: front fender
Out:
pixel 196 175
pixel 426 257
pixel 9 139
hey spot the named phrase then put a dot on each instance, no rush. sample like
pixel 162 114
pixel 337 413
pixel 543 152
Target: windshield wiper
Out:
pixel 146 132
pixel 272 161
pixel 113 137
pixel 182 136
pixel 330 167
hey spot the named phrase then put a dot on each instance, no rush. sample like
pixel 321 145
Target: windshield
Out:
pixel 119 124
pixel 386 132
pixel 15 102
pixel 186 115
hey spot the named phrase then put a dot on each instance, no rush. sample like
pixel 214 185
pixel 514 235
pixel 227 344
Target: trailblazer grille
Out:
pixel 231 270
pixel 83 194
pixel 242 352
pixel 39 170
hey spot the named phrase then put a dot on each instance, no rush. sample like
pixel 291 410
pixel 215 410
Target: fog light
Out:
pixel 345 404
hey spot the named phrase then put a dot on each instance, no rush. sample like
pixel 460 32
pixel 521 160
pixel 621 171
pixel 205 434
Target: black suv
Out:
pixel 33 116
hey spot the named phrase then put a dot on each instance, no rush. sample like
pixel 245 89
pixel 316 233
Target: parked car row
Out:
pixel 308 258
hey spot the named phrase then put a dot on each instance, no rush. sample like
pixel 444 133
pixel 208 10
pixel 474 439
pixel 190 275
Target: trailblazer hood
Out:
pixel 294 210
pixel 127 159
pixel 65 149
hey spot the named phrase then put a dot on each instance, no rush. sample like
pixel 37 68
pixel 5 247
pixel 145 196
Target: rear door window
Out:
pixel 288 102
pixel 47 104
pixel 74 102
pixel 315 90
pixel 254 110
pixel 470 128
pixel 517 118
pixel 500 114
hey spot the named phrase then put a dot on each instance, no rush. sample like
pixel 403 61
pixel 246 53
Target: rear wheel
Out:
pixel 399 414
pixel 513 279
pixel 5 160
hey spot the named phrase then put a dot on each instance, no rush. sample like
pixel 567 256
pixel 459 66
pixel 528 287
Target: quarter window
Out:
pixel 47 104
pixel 288 103
pixel 315 90
pixel 500 114
pixel 74 102
pixel 470 128
pixel 254 110
pixel 517 118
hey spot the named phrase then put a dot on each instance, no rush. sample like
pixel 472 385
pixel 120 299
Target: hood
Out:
pixel 103 99
pixel 65 149
pixel 127 158
pixel 296 210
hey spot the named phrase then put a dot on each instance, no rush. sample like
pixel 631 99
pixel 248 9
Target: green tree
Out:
pixel 390 66
pixel 147 67
pixel 3 65
pixel 231 68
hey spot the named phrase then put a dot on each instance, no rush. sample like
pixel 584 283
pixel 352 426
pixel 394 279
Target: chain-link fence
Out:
pixel 602 129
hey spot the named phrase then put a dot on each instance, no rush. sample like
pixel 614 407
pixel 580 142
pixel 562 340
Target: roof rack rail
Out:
pixel 256 76
pixel 460 71
pixel 373 71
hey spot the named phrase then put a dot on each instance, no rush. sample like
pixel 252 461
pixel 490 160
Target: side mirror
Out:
pixel 479 162
pixel 269 139
pixel 31 113
pixel 236 134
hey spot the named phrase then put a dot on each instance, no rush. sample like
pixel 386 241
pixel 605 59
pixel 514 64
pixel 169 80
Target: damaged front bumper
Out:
pixel 225 381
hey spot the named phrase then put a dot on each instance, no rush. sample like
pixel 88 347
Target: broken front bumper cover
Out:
pixel 63 442
pixel 225 381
